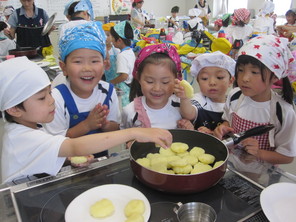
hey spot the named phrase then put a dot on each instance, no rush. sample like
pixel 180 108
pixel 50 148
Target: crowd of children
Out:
pixel 80 115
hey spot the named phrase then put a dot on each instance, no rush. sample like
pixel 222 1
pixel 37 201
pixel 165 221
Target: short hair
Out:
pixel 175 9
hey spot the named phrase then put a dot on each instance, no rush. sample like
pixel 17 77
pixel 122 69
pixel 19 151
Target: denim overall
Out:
pixel 75 116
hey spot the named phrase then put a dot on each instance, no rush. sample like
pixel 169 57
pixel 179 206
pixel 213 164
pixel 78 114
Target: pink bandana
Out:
pixel 240 14
pixel 272 51
pixel 218 22
pixel 158 48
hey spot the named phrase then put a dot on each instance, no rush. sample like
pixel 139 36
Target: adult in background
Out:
pixel 205 11
pixel 27 23
pixel 137 16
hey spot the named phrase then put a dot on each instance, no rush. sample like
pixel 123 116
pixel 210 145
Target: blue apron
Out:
pixel 75 116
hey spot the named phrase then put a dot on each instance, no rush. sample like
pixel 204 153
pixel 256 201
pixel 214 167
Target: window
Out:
pixel 235 4
pixel 281 6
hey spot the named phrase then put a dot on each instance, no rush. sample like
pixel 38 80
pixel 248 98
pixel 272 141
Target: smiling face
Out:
pixel 214 82
pixel 249 79
pixel 84 69
pixel 39 108
pixel 157 83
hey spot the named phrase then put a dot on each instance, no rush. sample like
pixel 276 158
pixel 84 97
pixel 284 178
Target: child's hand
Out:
pixel 185 124
pixel 97 117
pixel 179 90
pixel 222 130
pixel 251 146
pixel 206 130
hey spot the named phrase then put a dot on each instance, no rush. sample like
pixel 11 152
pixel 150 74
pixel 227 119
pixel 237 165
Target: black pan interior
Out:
pixel 192 138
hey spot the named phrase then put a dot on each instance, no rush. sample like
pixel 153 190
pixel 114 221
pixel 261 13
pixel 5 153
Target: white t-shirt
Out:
pixel 165 118
pixel 125 63
pixel 5 46
pixel 263 25
pixel 61 122
pixel 27 151
pixel 238 32
pixel 260 112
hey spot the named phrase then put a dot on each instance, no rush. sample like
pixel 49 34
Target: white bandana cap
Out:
pixel 272 51
pixel 8 10
pixel 20 79
pixel 214 59
pixel 267 8
pixel 194 12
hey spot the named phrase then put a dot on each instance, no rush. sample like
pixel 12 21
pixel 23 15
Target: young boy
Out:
pixel 26 101
pixel 173 21
pixel 122 36
pixel 85 104
pixel 214 74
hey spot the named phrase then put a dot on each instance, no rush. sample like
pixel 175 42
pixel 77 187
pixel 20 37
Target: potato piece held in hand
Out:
pixel 189 92
pixel 135 218
pixel 78 159
pixel 103 208
pixel 134 206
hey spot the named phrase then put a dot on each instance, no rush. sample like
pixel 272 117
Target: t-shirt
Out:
pixel 125 63
pixel 165 118
pixel 28 151
pixel 61 122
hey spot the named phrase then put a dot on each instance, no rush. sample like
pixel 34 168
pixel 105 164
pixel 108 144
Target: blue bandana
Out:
pixel 89 35
pixel 119 29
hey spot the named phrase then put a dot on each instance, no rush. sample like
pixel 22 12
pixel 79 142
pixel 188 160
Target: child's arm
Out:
pixel 251 145
pixel 186 108
pixel 99 142
pixel 120 78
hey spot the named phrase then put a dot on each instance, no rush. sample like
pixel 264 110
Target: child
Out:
pixel 214 74
pixel 173 21
pixel 154 104
pixel 27 148
pixel 77 12
pixel 239 31
pixel 85 104
pixel 122 36
pixel 113 52
pixel 262 61
pixel 291 17
pixel 6 44
pixel 264 23
pixel 194 24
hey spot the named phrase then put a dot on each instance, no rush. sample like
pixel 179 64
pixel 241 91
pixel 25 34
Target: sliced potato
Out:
pixel 179 147
pixel 135 218
pixel 196 151
pixel 189 92
pixel 134 206
pixel 103 208
pixel 183 170
pixel 200 168
pixel 145 162
pixel 166 152
pixel 206 158
pixel 78 159
pixel 218 163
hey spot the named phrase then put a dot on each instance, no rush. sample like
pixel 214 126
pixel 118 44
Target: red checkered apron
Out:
pixel 239 125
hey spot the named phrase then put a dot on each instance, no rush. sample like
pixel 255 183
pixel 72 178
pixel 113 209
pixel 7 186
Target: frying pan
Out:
pixel 219 44
pixel 30 52
pixel 193 182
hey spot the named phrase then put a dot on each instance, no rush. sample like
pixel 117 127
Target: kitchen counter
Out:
pixel 236 196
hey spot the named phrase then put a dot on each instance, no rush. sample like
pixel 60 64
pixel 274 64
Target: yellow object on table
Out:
pixel 47 51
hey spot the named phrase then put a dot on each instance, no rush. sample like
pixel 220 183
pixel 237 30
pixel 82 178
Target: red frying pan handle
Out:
pixel 256 131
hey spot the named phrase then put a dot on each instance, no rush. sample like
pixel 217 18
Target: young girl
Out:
pixel 154 104
pixel 122 36
pixel 214 74
pixel 27 149
pixel 262 61
pixel 85 104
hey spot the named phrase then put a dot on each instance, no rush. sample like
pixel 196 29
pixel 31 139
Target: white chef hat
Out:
pixel 214 59
pixel 194 12
pixel 267 8
pixel 20 79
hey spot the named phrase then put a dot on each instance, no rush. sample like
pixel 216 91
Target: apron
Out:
pixel 209 119
pixel 75 116
pixel 29 30
pixel 141 113
pixel 239 125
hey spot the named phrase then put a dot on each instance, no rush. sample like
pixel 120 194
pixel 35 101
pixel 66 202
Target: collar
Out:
pixel 23 11
pixel 125 48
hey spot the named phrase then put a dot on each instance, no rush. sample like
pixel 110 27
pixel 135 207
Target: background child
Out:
pixel 264 23
pixel 85 104
pixel 262 61
pixel 291 17
pixel 193 24
pixel 154 104
pixel 6 44
pixel 122 36
pixel 173 21
pixel 27 148
pixel 214 74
